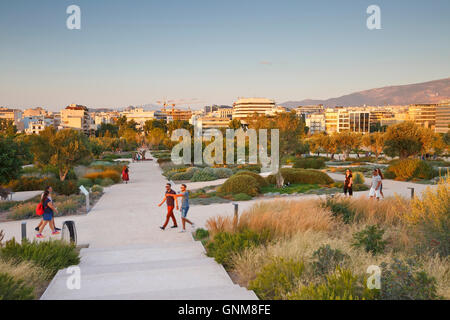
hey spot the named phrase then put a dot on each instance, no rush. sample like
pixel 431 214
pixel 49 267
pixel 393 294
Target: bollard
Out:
pixel 236 215
pixel 412 192
pixel 24 230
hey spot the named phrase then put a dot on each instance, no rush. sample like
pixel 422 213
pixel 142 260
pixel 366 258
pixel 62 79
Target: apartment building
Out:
pixel 423 115
pixel 34 112
pixel 76 117
pixel 210 122
pixel 302 111
pixel 37 124
pixel 315 122
pixel 347 119
pixel 245 108
pixel 443 117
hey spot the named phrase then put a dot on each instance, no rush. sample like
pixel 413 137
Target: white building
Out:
pixel 315 122
pixel 245 108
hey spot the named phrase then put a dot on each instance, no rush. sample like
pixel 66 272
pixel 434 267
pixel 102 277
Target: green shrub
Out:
pixel 407 169
pixel 223 173
pixel 205 174
pixel 23 211
pixel 50 255
pixel 107 182
pixel 11 289
pixel 405 281
pixel 277 278
pixel 6 205
pixel 248 167
pixel 327 259
pixel 66 187
pixel 261 181
pixel 201 234
pixel 309 163
pixel 358 178
pixel 69 206
pixel 96 188
pixel 341 208
pixel 87 183
pixel 241 183
pixel 292 175
pixel 341 285
pixel 371 239
pixel 225 244
pixel 241 197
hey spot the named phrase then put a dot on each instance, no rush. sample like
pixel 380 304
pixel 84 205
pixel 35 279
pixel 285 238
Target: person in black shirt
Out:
pixel 170 206
pixel 348 183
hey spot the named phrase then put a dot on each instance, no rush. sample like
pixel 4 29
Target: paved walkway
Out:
pixel 129 257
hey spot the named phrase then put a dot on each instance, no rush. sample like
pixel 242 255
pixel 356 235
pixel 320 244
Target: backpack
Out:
pixel 40 209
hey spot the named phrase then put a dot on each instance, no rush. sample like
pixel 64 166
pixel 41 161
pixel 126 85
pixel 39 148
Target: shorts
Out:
pixel 184 211
pixel 47 216
pixel 374 192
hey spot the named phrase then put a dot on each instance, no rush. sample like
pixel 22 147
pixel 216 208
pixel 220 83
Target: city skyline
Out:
pixel 138 53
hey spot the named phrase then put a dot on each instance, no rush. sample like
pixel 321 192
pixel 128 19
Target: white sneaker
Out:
pixel 182 231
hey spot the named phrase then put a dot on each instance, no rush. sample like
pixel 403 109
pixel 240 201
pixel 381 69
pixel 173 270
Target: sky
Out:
pixel 202 52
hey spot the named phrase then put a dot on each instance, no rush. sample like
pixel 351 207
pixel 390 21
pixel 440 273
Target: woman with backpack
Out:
pixel 48 189
pixel 125 176
pixel 47 208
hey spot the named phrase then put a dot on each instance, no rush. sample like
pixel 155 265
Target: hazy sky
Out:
pixel 137 52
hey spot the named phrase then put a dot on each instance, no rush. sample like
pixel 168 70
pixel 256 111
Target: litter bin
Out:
pixel 69 232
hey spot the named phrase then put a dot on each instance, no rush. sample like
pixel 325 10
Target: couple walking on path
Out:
pixel 376 189
pixel 170 198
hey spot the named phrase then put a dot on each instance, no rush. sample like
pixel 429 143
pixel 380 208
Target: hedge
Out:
pixel 410 168
pixel 241 183
pixel 294 175
pixel 261 181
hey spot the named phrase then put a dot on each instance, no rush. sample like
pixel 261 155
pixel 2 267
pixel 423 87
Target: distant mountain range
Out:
pixel 426 92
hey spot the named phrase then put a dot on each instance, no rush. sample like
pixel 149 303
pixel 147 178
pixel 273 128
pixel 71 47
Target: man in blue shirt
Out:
pixel 184 206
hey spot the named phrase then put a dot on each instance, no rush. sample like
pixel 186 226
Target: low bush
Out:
pixel 242 197
pixel 11 289
pixel 291 175
pixel 223 173
pixel 225 244
pixel 407 169
pixel 405 281
pixel 96 188
pixel 341 208
pixel 241 183
pixel 6 205
pixel 341 285
pixel 277 278
pixel 358 178
pixel 107 182
pixel 205 174
pixel 201 234
pixel 50 255
pixel 87 183
pixel 327 259
pixel 111 174
pixel 261 180
pixel 309 163
pixel 371 239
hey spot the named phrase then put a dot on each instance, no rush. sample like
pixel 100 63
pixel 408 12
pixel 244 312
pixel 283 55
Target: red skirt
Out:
pixel 125 176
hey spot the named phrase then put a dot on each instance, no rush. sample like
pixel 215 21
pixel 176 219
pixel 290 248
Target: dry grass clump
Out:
pixel 301 247
pixel 282 218
pixel 31 274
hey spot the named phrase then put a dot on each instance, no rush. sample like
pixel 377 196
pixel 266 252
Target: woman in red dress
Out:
pixel 125 177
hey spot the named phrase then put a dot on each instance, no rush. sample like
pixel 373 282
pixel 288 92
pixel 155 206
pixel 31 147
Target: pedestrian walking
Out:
pixel 348 183
pixel 170 201
pixel 125 175
pixel 48 189
pixel 376 185
pixel 49 210
pixel 184 206
pixel 381 177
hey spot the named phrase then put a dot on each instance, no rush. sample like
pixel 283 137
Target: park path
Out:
pixel 129 257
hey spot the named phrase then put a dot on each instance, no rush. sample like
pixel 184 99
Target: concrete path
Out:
pixel 23 195
pixel 129 257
